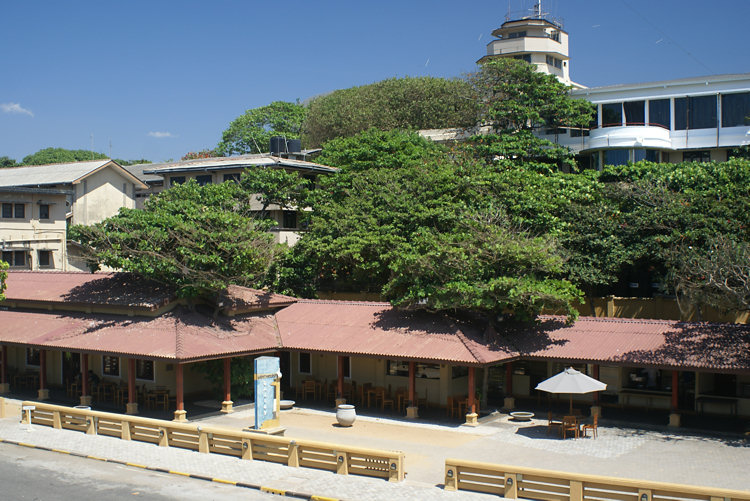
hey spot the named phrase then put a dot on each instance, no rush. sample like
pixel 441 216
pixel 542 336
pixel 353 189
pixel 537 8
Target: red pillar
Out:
pixel 675 385
pixel 472 392
pixel 227 379
pixel 412 384
pixel 596 376
pixel 509 379
pixel 4 373
pixel 131 381
pixel 340 383
pixel 42 369
pixel 180 395
pixel 84 374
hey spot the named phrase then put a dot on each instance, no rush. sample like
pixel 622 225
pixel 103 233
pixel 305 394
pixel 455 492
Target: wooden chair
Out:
pixel 387 400
pixel 422 402
pixel 308 388
pixel 592 427
pixel 569 423
pixel 553 423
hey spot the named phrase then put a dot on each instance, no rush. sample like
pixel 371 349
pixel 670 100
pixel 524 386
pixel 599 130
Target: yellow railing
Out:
pixel 531 483
pixel 208 439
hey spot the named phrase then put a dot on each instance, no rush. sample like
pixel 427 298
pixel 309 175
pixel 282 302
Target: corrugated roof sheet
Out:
pixel 377 329
pixel 237 299
pixel 103 289
pixel 181 335
pixel 235 162
pixel 48 174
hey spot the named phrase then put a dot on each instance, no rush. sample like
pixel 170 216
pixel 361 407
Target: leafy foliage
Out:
pixel 514 96
pixel 200 239
pixel 251 132
pixel 7 162
pixel 60 155
pixel 396 103
pixel 194 155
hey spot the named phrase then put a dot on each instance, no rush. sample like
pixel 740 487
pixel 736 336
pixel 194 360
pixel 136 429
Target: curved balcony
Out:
pixel 630 136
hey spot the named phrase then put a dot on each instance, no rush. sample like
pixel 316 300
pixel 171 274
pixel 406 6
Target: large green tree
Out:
pixel 60 155
pixel 251 132
pixel 197 238
pixel 396 103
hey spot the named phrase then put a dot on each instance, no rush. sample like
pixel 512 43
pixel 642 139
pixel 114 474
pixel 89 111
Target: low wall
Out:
pixel 515 482
pixel 345 460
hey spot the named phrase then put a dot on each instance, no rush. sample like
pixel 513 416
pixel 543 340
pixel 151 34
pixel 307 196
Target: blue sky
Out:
pixel 160 78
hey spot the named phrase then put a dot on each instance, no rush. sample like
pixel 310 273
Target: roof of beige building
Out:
pixel 56 174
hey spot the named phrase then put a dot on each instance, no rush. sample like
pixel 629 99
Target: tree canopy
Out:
pixel 60 156
pixel 396 103
pixel 198 238
pixel 251 132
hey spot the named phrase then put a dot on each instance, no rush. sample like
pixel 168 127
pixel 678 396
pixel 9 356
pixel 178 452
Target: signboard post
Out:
pixel 267 395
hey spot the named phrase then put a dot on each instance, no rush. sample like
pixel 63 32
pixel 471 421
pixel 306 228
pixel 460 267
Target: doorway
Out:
pixel 71 367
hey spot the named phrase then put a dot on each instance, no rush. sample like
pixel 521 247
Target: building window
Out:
pixel 517 34
pixel 144 369
pixel 43 211
pixel 616 157
pixel 635 112
pixel 111 366
pixel 204 179
pixel 10 210
pixel 305 363
pixel 44 258
pixel 16 259
pixel 695 113
pixel 174 180
pixel 523 57
pixel 458 371
pixel 232 177
pixel 347 367
pixel 659 113
pixel 33 357
pixel 555 35
pixel 423 371
pixel 612 115
pixel 735 109
pixel 290 219
pixel 696 156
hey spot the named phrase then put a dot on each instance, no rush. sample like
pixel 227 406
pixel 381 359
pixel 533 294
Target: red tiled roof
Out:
pixel 178 335
pixel 102 289
pixel 638 342
pixel 237 299
pixel 377 329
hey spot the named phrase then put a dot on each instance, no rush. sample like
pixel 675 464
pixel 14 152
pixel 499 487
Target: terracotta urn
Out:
pixel 345 415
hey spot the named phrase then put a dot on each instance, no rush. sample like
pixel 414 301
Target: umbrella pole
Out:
pixel 571 404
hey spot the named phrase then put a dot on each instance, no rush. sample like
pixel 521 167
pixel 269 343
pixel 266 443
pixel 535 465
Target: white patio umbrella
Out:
pixel 571 381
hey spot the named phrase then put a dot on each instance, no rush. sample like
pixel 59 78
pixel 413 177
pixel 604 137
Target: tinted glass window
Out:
pixel 696 156
pixel 735 109
pixel 612 115
pixel 44 211
pixel 203 180
pixel 44 258
pixel 616 157
pixel 658 113
pixel 695 112
pixel 635 113
pixel 7 210
pixel 176 180
pixel 19 211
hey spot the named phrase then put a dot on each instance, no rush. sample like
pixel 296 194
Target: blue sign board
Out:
pixel 267 372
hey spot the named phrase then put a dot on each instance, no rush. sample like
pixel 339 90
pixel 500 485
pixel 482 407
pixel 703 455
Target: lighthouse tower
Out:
pixel 536 39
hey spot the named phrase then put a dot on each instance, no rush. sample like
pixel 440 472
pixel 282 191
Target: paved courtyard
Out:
pixel 655 454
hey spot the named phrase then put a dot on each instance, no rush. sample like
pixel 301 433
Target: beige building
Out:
pixel 220 169
pixel 39 202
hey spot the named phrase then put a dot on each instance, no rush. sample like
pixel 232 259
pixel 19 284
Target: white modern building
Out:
pixel 691 119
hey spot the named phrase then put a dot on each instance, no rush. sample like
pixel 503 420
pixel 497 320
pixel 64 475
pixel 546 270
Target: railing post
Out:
pixel 163 437
pixel 125 430
pixel 644 494
pixel 576 490
pixel 293 454
pixel 203 442
pixel 90 425
pixel 396 469
pixel 56 421
pixel 247 449
pixel 511 485
pixel 342 462
pixel 451 477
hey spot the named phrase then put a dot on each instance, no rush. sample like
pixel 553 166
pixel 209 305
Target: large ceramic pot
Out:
pixel 345 414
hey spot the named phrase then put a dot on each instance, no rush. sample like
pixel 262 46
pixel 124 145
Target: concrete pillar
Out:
pixel 179 413
pixel 43 393
pixel 132 406
pixel 227 404
pixel 412 412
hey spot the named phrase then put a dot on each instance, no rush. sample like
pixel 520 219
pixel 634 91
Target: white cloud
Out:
pixel 161 134
pixel 15 108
